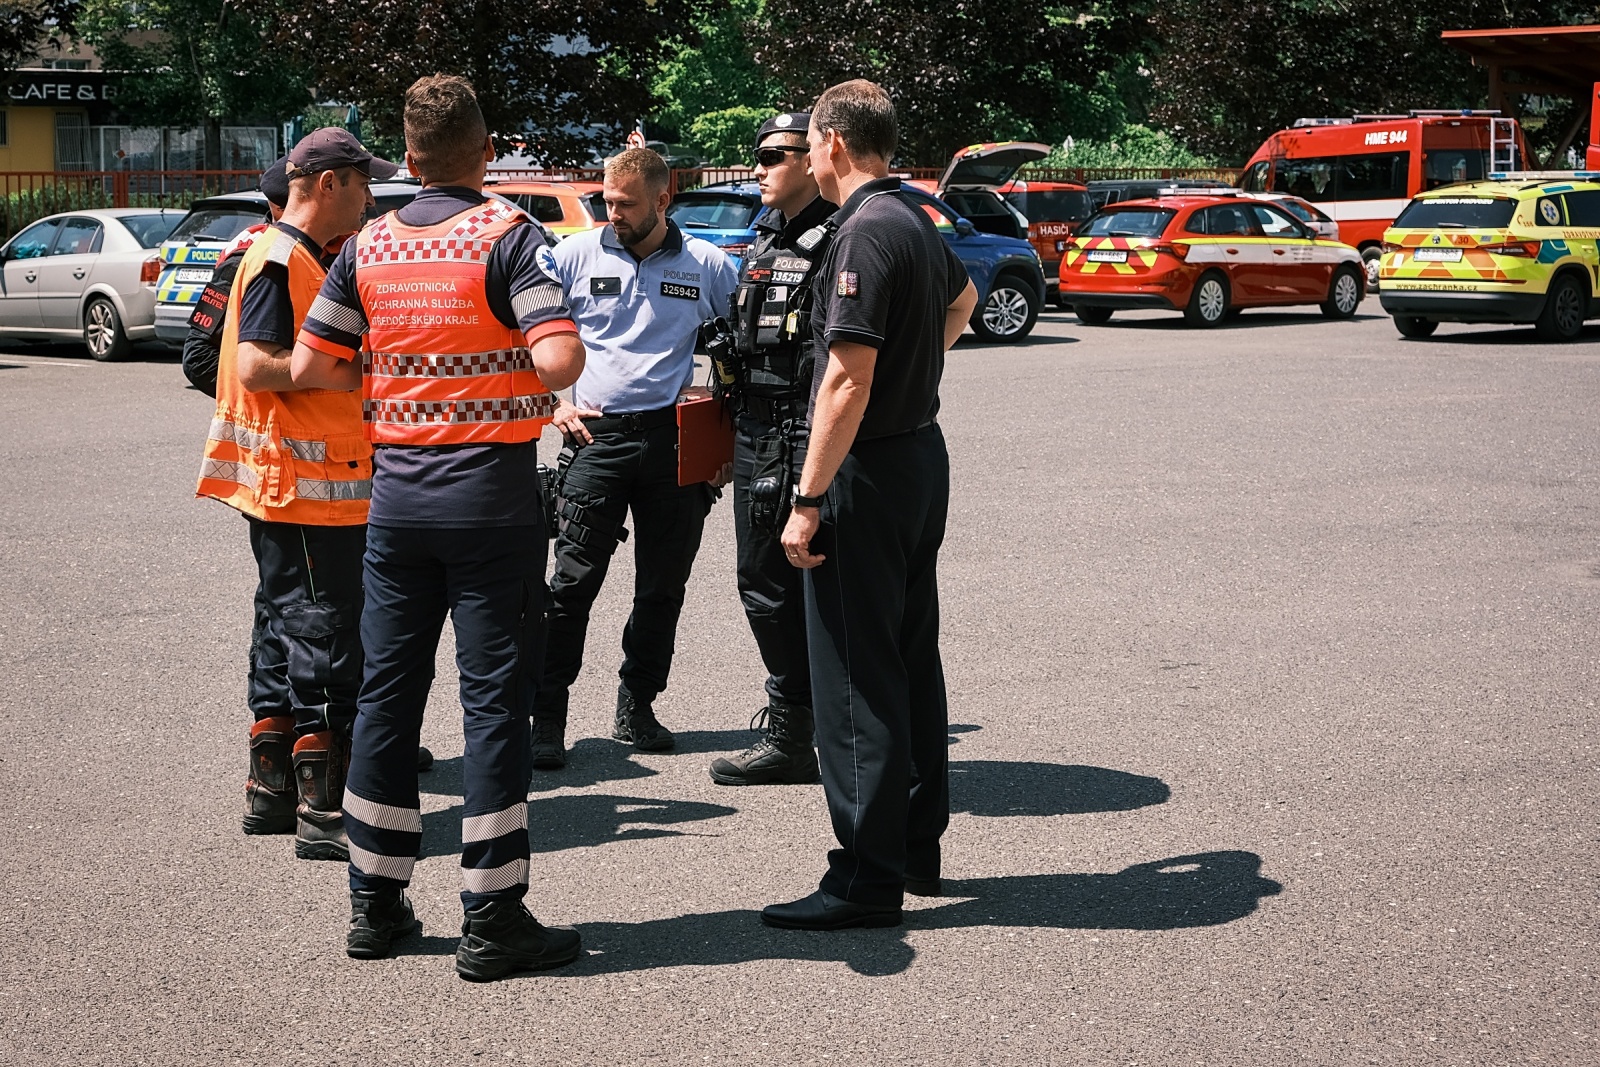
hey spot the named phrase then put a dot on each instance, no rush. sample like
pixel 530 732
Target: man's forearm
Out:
pixel 841 401
pixel 318 370
pixel 265 368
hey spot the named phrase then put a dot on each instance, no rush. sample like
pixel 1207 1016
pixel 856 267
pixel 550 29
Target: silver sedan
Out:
pixel 88 274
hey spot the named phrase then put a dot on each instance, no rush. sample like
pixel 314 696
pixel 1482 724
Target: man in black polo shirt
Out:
pixel 868 519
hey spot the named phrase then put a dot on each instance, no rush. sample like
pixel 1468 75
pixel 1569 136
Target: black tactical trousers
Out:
pixel 872 609
pixel 770 587
pixel 620 473
pixel 305 650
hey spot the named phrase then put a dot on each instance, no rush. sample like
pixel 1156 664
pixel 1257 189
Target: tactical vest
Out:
pixel 771 316
pixel 296 456
pixel 439 368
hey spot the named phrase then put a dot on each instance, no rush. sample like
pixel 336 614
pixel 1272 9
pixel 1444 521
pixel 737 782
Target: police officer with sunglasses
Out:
pixel 763 368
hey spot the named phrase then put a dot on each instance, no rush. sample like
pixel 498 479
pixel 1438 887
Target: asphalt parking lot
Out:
pixel 1272 666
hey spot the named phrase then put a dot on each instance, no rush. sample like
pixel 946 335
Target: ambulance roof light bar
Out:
pixel 1544 176
pixel 1303 123
pixel 1201 190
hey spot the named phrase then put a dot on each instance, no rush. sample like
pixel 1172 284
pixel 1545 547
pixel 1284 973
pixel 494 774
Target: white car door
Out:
pixel 64 273
pixel 19 275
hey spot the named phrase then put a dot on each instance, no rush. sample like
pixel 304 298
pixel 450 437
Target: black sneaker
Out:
pixel 549 744
pixel 784 753
pixel 377 920
pixel 501 938
pixel 637 723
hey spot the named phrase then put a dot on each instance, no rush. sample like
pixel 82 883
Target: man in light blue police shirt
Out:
pixel 639 289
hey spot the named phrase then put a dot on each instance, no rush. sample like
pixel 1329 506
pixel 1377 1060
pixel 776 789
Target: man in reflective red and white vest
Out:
pixel 442 316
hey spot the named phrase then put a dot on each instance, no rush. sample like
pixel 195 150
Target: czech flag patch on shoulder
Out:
pixel 849 284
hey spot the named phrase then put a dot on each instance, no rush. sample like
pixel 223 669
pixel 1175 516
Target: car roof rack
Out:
pixel 1203 190
pixel 1452 112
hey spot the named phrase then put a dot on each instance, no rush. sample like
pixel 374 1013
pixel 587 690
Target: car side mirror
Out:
pixel 5 253
pixel 965 228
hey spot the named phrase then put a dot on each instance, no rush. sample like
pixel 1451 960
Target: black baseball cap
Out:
pixel 275 181
pixel 332 147
pixel 786 122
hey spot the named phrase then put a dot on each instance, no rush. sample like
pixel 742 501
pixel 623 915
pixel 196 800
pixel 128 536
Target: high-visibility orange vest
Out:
pixel 296 456
pixel 439 368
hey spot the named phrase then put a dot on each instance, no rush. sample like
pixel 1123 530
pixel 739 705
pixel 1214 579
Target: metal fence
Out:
pixel 26 196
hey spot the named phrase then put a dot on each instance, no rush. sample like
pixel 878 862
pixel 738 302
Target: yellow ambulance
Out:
pixel 1519 248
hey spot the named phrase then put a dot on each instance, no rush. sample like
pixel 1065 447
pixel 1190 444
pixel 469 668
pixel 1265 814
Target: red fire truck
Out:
pixel 1364 170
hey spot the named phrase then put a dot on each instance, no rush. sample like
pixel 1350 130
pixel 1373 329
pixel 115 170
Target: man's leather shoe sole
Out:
pixel 820 911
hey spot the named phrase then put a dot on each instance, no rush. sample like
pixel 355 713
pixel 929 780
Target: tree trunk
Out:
pixel 213 146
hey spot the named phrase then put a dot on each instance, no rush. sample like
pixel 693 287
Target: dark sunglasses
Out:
pixel 771 157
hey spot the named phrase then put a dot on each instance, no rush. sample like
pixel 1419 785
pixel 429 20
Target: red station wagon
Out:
pixel 1205 255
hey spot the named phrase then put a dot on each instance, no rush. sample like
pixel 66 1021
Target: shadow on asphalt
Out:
pixel 1183 892
pixel 593 760
pixel 997 789
pixel 1516 336
pixel 972 340
pixel 580 821
pixel 1246 320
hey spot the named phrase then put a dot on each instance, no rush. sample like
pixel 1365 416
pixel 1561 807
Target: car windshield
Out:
pixel 1054 205
pixel 218 223
pixel 149 230
pixel 713 212
pixel 1457 213
pixel 1127 222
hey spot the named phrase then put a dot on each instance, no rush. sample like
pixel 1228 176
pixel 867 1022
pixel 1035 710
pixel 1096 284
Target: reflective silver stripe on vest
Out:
pixel 448 412
pixel 465 365
pixel 250 441
pixel 225 471
pixel 304 488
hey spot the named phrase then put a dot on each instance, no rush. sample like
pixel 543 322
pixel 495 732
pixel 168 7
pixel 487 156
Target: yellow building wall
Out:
pixel 30 139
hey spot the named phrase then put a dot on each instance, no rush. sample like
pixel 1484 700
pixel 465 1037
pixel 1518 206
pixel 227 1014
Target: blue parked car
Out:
pixel 1005 270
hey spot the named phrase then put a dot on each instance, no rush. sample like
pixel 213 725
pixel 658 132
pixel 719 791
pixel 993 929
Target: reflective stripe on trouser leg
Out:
pixel 383 837
pixel 492 836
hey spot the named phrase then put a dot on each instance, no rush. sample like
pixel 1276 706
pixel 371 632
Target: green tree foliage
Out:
pixel 713 94
pixel 1131 146
pixel 563 79
pixel 1227 73
pixel 25 25
pixel 193 63
pixel 962 71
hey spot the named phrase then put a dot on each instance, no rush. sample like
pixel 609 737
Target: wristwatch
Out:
pixel 807 501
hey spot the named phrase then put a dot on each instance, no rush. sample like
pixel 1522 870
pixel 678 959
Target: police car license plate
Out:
pixel 1437 255
pixel 193 274
pixel 1108 255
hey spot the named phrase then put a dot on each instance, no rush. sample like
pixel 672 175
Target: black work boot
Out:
pixel 550 734
pixel 501 938
pixel 636 722
pixel 320 760
pixel 268 796
pixel 784 753
pixel 377 919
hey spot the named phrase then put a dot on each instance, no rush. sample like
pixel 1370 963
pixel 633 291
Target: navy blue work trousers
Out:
pixel 877 683
pixel 305 648
pixel 770 587
pixel 490 582
pixel 617 474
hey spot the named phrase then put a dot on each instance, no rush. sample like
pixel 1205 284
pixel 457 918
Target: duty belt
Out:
pixel 773 412
pixel 636 422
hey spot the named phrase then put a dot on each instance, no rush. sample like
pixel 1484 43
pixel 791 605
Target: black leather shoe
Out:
pixel 549 742
pixel 501 937
pixel 822 911
pixel 924 887
pixel 424 759
pixel 377 919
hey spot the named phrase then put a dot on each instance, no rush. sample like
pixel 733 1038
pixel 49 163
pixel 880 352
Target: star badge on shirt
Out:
pixel 849 283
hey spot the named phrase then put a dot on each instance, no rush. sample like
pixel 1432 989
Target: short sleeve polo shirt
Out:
pixel 885 283
pixel 639 319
